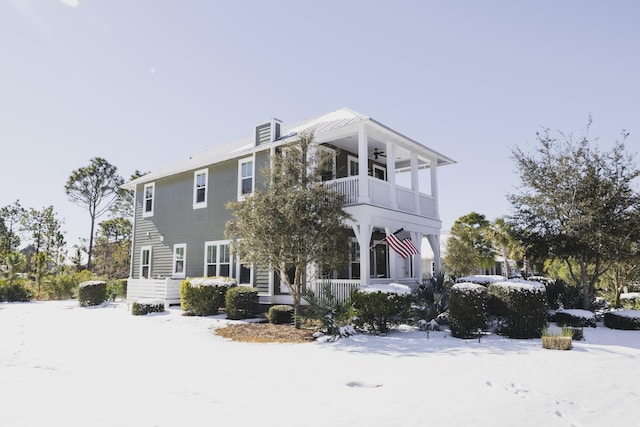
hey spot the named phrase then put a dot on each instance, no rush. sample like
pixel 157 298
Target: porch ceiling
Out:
pixel 402 155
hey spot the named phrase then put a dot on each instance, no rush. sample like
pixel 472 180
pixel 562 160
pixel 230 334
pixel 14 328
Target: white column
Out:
pixel 417 259
pixel 391 173
pixel 363 166
pixel 434 187
pixel 363 234
pixel 415 182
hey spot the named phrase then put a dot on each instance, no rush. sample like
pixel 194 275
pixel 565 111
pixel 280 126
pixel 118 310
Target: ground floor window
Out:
pixel 145 262
pixel 379 261
pixel 217 259
pixel 179 260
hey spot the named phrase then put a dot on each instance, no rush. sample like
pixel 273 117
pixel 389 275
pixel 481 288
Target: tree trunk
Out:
pixel 586 297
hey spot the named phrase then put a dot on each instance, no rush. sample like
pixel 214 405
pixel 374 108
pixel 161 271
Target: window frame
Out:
pixel 332 153
pixel 152 186
pixel 205 187
pixel 174 273
pixel 382 169
pixel 219 262
pixel 350 171
pixel 241 163
pixel 143 249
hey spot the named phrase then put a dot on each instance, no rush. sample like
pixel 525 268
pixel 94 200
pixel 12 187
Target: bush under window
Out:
pixel 204 296
pixel 379 307
pixel 241 302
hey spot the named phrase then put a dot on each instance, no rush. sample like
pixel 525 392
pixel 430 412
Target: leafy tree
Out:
pixel 578 204
pixel 10 218
pixel 297 221
pixel 45 234
pixel 16 262
pixel 94 187
pixel 112 248
pixel 503 238
pixel 469 246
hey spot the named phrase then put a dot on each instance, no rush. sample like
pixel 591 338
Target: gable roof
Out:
pixel 318 125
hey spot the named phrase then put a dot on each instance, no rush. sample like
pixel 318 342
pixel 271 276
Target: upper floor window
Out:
pixel 217 259
pixel 245 177
pixel 329 168
pixel 179 260
pixel 200 179
pixel 145 262
pixel 379 172
pixel 353 165
pixel 148 197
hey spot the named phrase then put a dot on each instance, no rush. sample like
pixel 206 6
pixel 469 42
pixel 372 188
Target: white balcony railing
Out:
pixel 167 290
pixel 380 194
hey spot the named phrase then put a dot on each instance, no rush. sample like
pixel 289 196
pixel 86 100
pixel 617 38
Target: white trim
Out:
pixel 350 159
pixel 201 204
pixel 181 274
pixel 152 186
pixel 242 162
pixel 142 250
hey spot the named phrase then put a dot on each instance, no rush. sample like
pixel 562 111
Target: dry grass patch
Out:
pixel 265 332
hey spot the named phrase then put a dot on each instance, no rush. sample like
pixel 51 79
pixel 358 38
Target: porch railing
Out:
pixel 167 290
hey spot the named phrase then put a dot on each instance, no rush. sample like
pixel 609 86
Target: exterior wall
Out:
pixel 175 221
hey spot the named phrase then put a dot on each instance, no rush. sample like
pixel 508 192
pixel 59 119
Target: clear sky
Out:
pixel 143 83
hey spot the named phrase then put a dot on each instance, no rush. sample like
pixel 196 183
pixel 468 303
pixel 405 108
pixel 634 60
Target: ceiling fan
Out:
pixel 377 153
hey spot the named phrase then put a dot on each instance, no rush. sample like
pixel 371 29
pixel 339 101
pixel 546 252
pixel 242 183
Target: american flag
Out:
pixel 401 243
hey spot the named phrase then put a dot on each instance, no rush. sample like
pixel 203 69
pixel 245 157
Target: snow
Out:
pixel 579 313
pixel 482 279
pixel 630 295
pixel 61 364
pixel 632 314
pixel 466 286
pixel 390 288
pixel 211 281
pixel 91 283
pixel 527 285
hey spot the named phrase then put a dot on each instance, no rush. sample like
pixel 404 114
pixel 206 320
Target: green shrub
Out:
pixel 16 292
pixel 467 309
pixel 378 307
pixel 575 317
pixel 65 284
pixel 279 314
pixel 146 306
pixel 525 307
pixel 332 313
pixel 623 319
pixel 93 292
pixel 562 294
pixel 241 302
pixel 431 298
pixel 117 289
pixel 203 296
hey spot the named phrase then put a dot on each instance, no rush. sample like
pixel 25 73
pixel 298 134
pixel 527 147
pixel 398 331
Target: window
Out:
pixel 353 166
pixel 217 260
pixel 245 177
pixel 379 258
pixel 329 172
pixel 147 202
pixel 179 260
pixel 200 178
pixel 355 260
pixel 145 262
pixel 379 172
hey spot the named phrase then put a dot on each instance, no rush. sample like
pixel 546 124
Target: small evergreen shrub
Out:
pixel 623 319
pixel 575 317
pixel 241 302
pixel 561 294
pixel 117 289
pixel 467 309
pixel 146 306
pixel 378 307
pixel 17 292
pixel 525 306
pixel 332 313
pixel 279 314
pixel 431 298
pixel 203 296
pixel 93 292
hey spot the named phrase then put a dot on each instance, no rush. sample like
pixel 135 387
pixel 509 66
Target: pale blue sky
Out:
pixel 143 83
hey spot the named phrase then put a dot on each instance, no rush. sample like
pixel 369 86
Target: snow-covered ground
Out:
pixel 62 365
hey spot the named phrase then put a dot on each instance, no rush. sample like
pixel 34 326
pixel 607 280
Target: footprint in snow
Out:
pixel 362 385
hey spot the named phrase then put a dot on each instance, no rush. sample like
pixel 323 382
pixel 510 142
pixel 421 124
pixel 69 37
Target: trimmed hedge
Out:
pixel 575 317
pixel 523 305
pixel 279 314
pixel 144 306
pixel 91 293
pixel 623 319
pixel 377 308
pixel 467 309
pixel 203 296
pixel 241 302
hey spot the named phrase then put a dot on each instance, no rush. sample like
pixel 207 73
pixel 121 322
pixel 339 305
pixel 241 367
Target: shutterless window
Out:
pixel 148 196
pixel 200 188
pixel 145 262
pixel 179 260
pixel 218 261
pixel 245 176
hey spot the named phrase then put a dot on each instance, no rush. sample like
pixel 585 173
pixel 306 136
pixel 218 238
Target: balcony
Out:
pixel 381 194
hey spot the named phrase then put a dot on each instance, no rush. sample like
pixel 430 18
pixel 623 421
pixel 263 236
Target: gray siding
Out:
pixel 177 221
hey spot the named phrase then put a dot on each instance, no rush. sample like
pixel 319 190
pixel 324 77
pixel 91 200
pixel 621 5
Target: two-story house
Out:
pixel 390 182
